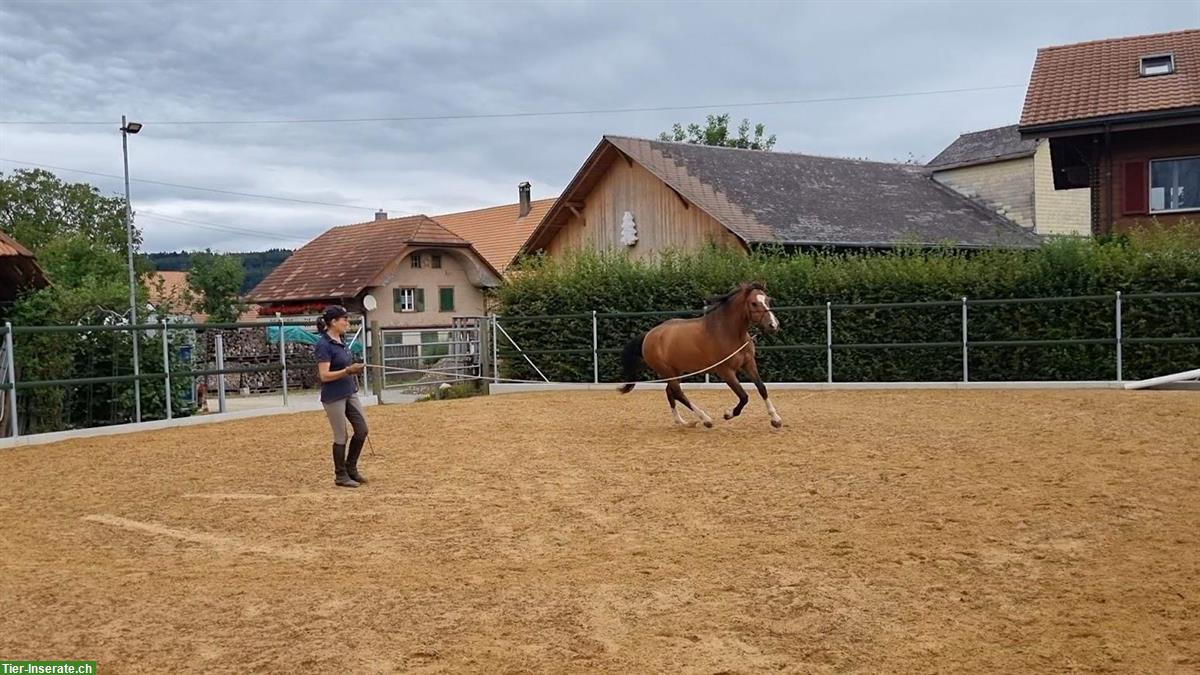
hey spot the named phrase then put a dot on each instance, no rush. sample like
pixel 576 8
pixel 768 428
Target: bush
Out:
pixel 570 288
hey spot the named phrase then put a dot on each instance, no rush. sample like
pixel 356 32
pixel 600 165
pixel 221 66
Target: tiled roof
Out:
pixel 1102 78
pixel 346 259
pixel 785 198
pixel 496 232
pixel 174 285
pixel 18 269
pixel 982 147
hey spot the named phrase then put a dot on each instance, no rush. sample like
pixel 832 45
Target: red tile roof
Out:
pixel 174 285
pixel 1103 78
pixel 18 269
pixel 10 246
pixel 344 260
pixel 497 232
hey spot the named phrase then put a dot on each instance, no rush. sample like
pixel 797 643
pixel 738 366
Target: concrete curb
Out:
pixel 195 420
pixel 513 388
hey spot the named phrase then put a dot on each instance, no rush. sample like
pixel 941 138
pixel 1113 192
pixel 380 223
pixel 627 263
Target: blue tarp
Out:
pixel 298 334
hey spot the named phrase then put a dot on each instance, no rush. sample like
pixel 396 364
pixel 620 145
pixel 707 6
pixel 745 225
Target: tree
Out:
pixel 216 280
pixel 37 209
pixel 716 132
pixel 79 238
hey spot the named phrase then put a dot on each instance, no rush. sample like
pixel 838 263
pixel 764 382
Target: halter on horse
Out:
pixel 718 342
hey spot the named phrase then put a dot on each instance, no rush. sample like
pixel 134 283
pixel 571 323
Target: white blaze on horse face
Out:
pixel 772 322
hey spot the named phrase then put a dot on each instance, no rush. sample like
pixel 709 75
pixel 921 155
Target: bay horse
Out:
pixel 717 342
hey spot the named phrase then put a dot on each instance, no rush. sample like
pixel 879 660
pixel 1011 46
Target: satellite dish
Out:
pixel 369 303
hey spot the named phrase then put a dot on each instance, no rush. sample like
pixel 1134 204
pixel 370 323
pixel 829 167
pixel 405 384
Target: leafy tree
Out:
pixel 716 132
pixel 79 238
pixel 37 208
pixel 217 280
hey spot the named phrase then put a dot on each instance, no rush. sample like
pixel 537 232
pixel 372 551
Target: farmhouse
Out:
pixel 420 273
pixel 1123 118
pixel 648 196
pixel 1012 175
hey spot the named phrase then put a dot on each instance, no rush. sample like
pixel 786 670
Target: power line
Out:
pixel 215 226
pixel 187 187
pixel 553 113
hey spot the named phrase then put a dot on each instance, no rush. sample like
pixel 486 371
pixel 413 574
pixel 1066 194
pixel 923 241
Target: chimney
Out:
pixel 381 215
pixel 523 192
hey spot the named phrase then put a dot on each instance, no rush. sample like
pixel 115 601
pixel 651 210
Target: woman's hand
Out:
pixel 355 368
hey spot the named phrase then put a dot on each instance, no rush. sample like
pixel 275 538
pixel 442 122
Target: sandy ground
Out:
pixel 918 531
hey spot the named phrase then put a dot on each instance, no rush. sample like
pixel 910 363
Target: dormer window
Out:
pixel 416 261
pixel 1158 64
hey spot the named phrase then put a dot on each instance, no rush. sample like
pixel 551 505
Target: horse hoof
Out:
pixel 728 416
pixel 777 423
pixel 708 424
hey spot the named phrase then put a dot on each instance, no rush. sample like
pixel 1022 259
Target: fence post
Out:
pixel 12 379
pixel 220 373
pixel 167 365
pixel 966 378
pixel 595 351
pixel 282 358
pixel 829 342
pixel 376 346
pixel 1120 375
pixel 495 352
pixel 137 372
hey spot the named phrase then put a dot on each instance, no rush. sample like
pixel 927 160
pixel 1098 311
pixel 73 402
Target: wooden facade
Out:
pixel 664 220
pixel 590 213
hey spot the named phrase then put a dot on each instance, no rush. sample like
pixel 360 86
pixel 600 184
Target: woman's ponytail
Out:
pixel 321 325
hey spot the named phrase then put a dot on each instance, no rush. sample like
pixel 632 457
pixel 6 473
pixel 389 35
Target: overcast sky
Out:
pixel 270 61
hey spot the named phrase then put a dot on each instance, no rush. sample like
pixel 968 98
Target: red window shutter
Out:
pixel 1136 194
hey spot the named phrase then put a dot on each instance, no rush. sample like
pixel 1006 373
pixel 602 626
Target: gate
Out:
pixel 421 359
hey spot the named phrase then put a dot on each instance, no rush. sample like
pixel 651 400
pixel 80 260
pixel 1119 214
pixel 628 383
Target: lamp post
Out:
pixel 126 129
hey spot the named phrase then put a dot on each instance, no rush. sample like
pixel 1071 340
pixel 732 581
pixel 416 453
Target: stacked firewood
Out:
pixel 249 348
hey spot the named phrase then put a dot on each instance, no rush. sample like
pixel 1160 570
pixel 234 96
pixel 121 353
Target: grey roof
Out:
pixel 776 197
pixel 982 147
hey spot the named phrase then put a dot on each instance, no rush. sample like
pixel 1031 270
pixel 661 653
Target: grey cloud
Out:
pixel 231 61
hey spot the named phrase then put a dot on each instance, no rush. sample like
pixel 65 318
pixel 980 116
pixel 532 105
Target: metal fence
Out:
pixel 424 358
pixel 514 352
pixel 11 387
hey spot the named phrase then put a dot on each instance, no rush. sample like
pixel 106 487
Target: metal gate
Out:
pixel 422 359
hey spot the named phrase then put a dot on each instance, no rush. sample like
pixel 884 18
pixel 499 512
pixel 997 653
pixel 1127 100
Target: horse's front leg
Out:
pixel 752 370
pixel 729 375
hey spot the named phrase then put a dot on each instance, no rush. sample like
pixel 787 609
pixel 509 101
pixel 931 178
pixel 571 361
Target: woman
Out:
pixel 339 394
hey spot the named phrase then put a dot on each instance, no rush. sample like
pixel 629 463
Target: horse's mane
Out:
pixel 713 302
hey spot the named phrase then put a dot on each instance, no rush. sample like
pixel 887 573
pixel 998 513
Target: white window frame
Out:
pixel 1170 57
pixel 416 261
pixel 1150 185
pixel 408 299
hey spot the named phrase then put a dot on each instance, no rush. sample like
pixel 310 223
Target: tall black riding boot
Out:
pixel 340 477
pixel 356 446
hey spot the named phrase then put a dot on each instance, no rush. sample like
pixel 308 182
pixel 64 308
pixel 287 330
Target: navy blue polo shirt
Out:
pixel 338 356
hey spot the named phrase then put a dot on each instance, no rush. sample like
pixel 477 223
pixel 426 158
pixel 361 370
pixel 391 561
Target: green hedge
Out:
pixel 1161 262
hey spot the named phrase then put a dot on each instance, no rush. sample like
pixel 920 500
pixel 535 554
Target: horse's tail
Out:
pixel 631 358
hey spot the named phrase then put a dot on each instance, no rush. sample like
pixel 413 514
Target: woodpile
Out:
pixel 249 348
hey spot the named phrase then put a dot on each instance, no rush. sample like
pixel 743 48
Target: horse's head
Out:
pixel 751 302
pixel 758 307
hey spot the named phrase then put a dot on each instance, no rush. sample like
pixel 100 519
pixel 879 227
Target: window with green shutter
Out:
pixel 420 300
pixel 446 299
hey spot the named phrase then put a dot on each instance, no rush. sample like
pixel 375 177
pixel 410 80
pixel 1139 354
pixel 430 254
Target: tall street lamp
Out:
pixel 126 129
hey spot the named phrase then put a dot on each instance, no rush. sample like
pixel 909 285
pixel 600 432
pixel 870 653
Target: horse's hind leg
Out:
pixel 752 370
pixel 673 386
pixel 675 411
